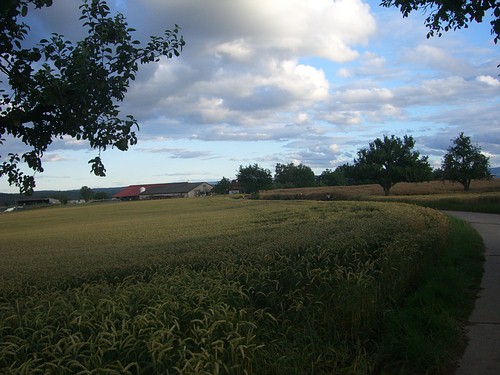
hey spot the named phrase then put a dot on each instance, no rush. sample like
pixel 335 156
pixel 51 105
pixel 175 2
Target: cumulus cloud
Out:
pixel 178 153
pixel 324 28
pixel 54 157
pixel 437 58
pixel 489 80
pixel 242 57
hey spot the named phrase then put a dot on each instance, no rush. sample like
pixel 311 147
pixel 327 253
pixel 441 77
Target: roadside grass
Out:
pixel 425 335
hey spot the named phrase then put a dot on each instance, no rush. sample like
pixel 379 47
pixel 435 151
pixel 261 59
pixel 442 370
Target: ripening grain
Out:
pixel 206 286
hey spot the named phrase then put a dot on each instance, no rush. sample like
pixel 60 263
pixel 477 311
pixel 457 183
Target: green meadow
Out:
pixel 227 286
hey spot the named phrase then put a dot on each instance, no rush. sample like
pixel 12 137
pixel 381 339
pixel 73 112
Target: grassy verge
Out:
pixel 426 335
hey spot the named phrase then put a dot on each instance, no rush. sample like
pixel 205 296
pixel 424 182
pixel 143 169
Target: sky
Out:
pixel 281 81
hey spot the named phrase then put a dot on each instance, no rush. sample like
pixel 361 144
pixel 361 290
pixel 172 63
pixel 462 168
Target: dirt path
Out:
pixel 482 354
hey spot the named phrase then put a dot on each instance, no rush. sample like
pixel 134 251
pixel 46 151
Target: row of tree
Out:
pixel 386 162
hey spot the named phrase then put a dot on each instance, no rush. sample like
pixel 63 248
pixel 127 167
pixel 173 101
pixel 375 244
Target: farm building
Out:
pixel 235 187
pixel 160 191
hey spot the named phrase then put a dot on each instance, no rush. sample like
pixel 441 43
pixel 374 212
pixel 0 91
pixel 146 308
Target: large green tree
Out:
pixel 391 160
pixel 464 162
pixel 86 193
pixel 294 176
pixel 335 177
pixel 59 88
pixel 444 15
pixel 223 186
pixel 254 178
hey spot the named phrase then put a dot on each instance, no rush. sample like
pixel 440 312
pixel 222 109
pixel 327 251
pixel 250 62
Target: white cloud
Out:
pixel 242 57
pixel 322 27
pixel 334 148
pixel 237 50
pixel 54 157
pixel 336 117
pixel 365 95
pixel 489 80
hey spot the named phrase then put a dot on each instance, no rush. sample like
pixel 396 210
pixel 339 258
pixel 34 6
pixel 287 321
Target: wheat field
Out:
pixel 206 285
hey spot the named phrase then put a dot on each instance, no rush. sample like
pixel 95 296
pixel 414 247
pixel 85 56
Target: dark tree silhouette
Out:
pixel 254 178
pixel 59 88
pixel 445 15
pixel 86 193
pixel 222 187
pixel 294 176
pixel 333 178
pixel 464 162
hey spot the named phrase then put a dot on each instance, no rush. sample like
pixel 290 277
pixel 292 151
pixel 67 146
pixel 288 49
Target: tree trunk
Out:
pixel 466 185
pixel 387 190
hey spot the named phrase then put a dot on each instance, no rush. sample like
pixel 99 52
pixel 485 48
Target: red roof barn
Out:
pixel 159 191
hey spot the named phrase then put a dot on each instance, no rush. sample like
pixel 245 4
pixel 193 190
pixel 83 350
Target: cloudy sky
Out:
pixel 280 81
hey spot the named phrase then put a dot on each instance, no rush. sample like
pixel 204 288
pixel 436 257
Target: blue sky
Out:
pixel 280 81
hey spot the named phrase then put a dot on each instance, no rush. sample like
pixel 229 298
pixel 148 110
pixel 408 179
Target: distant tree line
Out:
pixel 385 162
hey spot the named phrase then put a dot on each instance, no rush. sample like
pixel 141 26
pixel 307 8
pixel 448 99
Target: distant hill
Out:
pixel 10 199
pixel 495 172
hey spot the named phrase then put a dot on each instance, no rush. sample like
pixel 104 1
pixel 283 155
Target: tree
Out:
pixel 333 178
pixel 61 197
pixel 254 178
pixel 445 15
pixel 294 176
pixel 392 160
pixel 464 162
pixel 100 196
pixel 86 193
pixel 222 187
pixel 58 88
pixel 438 174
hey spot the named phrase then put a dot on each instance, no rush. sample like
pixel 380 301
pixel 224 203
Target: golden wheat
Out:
pixel 265 287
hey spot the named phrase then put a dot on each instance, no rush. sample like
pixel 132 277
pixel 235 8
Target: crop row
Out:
pixel 312 305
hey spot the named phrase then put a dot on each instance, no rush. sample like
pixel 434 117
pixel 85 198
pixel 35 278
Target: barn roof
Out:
pixel 173 188
pixel 130 191
pixel 152 189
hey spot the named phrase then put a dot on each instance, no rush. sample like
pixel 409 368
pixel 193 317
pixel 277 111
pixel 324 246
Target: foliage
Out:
pixel 254 178
pixel 61 197
pixel 390 161
pixel 86 193
pixel 464 162
pixel 59 89
pixel 333 178
pixel 267 288
pixel 438 174
pixel 223 186
pixel 101 195
pixel 291 175
pixel 451 15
